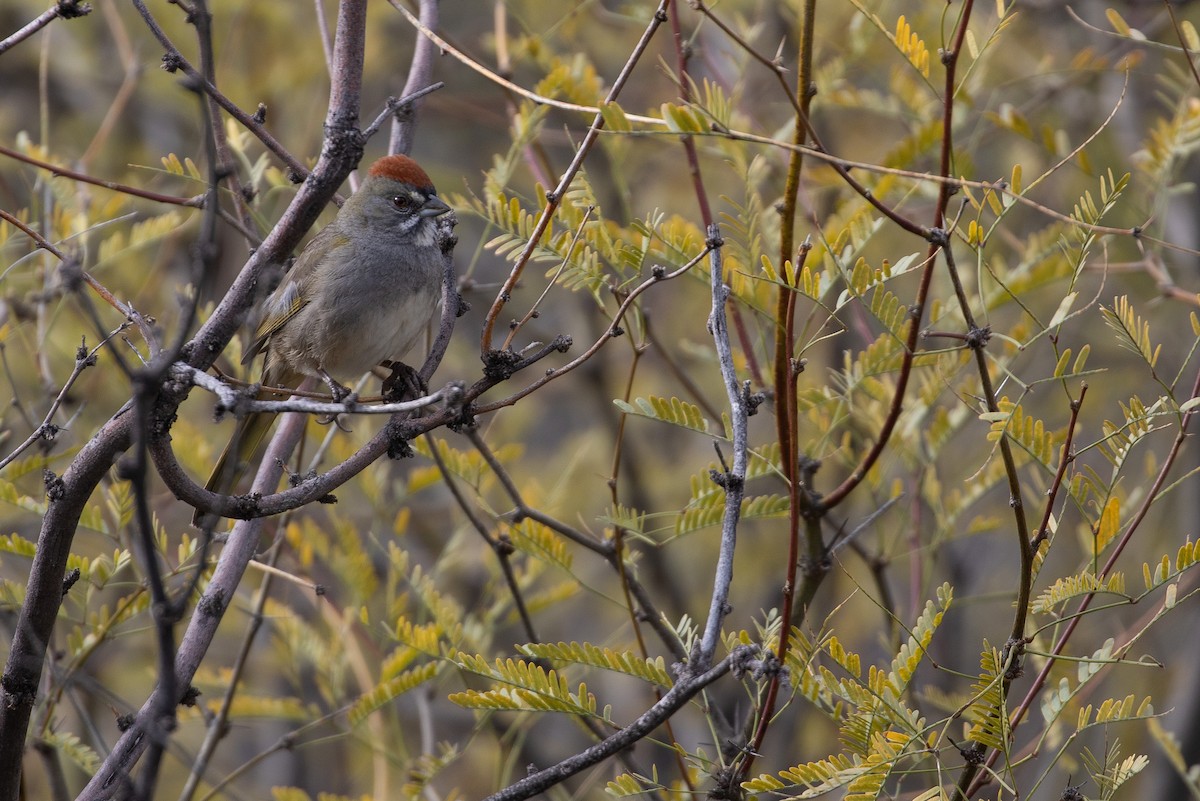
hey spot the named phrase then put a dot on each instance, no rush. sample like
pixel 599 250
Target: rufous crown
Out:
pixel 402 169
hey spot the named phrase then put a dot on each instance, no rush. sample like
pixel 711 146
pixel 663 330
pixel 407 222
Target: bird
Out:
pixel 359 294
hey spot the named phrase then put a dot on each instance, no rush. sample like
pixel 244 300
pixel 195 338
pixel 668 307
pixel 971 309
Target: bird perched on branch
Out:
pixel 359 294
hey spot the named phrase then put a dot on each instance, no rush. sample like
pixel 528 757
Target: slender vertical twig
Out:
pixel 732 480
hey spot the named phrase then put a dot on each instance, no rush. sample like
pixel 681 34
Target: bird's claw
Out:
pixel 404 383
pixel 340 393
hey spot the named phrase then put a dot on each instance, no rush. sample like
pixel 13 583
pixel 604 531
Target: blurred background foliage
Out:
pixel 337 695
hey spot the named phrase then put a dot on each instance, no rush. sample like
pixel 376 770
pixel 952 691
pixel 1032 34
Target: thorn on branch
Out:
pixel 752 399
pixel 499 365
pixel 171 62
pixel 744 660
pixel 977 338
pixel 190 695
pixel 56 489
pixel 398 445
pixel 125 722
pixel 972 753
pixel 726 481
pixel 725 787
pixel 19 691
pixel 82 357
pixel 1015 650
pixel 72 9
pixel 260 114
pixel 1072 792
pixel 69 581
pixel 938 236
pixel 808 469
pixel 212 604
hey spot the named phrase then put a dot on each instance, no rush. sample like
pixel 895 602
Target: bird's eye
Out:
pixel 402 202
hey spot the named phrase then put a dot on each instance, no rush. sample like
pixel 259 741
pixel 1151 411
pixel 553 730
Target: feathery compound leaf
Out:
pixel 530 688
pixel 1119 439
pixel 466 465
pixel 1070 587
pixel 425 639
pixel 910 44
pixel 1170 141
pixel 815 777
pixel 424 769
pixel 673 410
pixel 1027 432
pixel 1133 333
pixel 540 542
pixel 849 661
pixel 1055 700
pixel 709 510
pixel 1109 779
pixel 142 233
pixel 886 748
pixel 651 670
pixel 1114 710
pixel 18 546
pixel 392 688
pixel 913 651
pixel 624 786
pixel 987 711
pixel 73 749
pixel 1187 556
pixel 1108 526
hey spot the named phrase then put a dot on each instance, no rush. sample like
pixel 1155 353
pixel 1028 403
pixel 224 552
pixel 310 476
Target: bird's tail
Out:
pixel 235 459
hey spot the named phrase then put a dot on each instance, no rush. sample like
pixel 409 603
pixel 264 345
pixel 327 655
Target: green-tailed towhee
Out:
pixel 360 293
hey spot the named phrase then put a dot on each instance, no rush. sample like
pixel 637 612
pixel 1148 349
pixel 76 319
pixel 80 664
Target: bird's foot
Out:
pixel 340 393
pixel 404 383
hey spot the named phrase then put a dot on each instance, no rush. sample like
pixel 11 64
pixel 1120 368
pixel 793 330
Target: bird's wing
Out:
pixel 291 296
pixel 281 306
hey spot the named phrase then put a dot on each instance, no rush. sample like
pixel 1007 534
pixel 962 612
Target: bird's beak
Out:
pixel 433 207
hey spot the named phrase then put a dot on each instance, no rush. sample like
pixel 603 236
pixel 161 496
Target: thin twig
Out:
pixel 647 722
pixel 502 550
pixel 65 172
pixel 613 330
pixel 47 430
pixel 554 198
pixel 733 480
pixel 67 9
pixel 174 60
